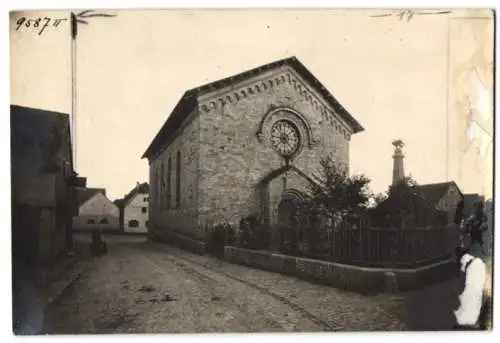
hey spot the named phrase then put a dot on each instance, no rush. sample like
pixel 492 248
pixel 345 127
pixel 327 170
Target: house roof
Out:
pixel 469 201
pixel 189 100
pixel 140 188
pixel 34 135
pixel 435 191
pixel 84 194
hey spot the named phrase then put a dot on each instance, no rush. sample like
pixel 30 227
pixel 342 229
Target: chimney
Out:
pixel 398 170
pixel 137 184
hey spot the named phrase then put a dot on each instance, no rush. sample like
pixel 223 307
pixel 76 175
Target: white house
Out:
pixel 95 211
pixel 134 209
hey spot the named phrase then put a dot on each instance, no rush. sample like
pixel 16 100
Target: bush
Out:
pixel 253 233
pixel 223 234
pixel 404 206
pixel 220 235
pixel 337 195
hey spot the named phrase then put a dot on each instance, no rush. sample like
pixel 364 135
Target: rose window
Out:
pixel 285 138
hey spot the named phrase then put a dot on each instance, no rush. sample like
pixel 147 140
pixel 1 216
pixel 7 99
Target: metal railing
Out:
pixel 375 247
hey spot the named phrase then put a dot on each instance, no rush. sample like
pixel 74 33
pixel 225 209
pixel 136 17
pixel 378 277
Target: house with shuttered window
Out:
pixel 134 209
pixel 95 211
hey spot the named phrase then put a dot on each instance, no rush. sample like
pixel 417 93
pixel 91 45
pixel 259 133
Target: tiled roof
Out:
pixel 435 191
pixel 142 188
pixel 34 134
pixel 189 100
pixel 84 194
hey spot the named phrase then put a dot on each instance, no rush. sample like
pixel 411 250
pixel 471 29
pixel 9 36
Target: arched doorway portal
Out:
pixel 287 209
pixel 288 224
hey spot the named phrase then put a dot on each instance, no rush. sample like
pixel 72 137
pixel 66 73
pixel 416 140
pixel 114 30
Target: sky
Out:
pixel 398 78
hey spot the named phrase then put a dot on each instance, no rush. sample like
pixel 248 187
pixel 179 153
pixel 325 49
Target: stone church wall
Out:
pixel 233 160
pixel 167 219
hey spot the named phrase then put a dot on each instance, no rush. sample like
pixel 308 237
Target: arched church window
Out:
pixel 285 138
pixel 162 188
pixel 178 181
pixel 157 189
pixel 169 182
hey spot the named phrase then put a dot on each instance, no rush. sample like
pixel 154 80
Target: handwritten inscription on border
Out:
pixel 38 24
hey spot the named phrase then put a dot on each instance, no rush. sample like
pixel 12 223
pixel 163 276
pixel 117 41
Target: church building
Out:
pixel 243 145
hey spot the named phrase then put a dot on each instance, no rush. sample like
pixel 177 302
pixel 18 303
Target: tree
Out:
pixel 401 195
pixel 253 234
pixel 398 205
pixel 377 199
pixel 337 195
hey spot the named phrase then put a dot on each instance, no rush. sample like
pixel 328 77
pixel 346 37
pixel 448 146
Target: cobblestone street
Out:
pixel 143 287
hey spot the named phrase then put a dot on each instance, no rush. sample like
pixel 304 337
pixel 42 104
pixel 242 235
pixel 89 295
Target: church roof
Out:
pixel 189 100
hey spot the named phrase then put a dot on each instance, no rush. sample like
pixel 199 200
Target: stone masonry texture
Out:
pixel 224 159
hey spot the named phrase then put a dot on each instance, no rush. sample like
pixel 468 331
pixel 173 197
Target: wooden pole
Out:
pixel 73 87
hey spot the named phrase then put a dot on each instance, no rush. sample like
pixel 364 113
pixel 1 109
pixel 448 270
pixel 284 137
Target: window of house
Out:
pixel 144 210
pixel 147 223
pixel 91 221
pixel 146 199
pixel 169 181
pixel 178 181
pixel 133 223
pixel 104 221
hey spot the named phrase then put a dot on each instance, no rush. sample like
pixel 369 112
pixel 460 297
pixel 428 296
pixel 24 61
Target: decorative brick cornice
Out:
pixel 287 76
pixel 228 90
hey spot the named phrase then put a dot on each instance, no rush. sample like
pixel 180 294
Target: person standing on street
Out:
pixel 477 225
pixel 458 223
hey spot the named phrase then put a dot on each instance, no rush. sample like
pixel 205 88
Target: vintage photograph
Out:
pixel 251 170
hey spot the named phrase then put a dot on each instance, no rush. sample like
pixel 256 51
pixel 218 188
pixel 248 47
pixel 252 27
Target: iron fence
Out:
pixel 368 246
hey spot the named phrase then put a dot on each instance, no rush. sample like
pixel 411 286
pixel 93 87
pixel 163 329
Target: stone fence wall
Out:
pixel 180 241
pixel 348 277
pixel 365 280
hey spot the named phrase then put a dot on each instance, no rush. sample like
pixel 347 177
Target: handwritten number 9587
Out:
pixel 39 23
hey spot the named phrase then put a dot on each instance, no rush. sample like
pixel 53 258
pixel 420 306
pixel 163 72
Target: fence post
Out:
pixel 342 246
pixel 349 242
pixel 332 247
pixel 361 243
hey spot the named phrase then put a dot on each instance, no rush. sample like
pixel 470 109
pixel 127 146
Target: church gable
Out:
pixel 284 73
pixel 249 85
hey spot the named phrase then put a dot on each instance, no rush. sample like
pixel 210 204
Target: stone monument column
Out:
pixel 398 170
